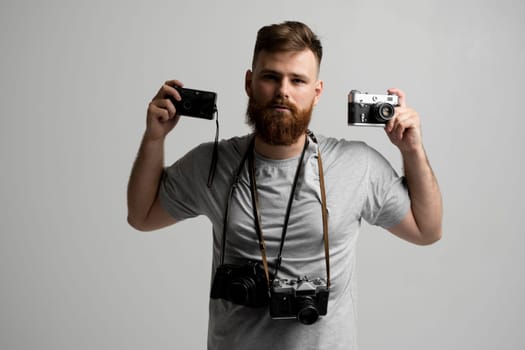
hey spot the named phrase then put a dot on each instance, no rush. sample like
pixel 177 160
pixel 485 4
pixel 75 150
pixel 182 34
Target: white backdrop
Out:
pixel 76 78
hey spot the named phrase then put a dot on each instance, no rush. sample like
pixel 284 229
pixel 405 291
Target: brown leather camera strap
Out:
pixel 257 216
pixel 324 210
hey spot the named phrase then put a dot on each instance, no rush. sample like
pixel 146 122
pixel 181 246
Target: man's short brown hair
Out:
pixel 287 36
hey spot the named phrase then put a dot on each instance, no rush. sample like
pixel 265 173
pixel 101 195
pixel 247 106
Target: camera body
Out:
pixel 195 103
pixel 241 284
pixel 302 299
pixel 370 110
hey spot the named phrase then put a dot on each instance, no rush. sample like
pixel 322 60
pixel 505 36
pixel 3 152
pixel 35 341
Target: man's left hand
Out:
pixel 404 129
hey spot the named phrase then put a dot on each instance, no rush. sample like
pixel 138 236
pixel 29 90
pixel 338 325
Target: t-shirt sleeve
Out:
pixel 387 200
pixel 183 186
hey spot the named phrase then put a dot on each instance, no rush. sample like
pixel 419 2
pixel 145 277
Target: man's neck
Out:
pixel 279 152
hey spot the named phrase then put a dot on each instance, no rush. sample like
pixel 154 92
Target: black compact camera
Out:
pixel 196 103
pixel 241 284
pixel 370 110
pixel 302 299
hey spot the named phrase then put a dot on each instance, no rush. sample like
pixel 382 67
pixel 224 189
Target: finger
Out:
pixel 168 90
pixel 158 113
pixel 397 125
pixel 165 104
pixel 391 124
pixel 174 83
pixel 400 94
pixel 400 130
pixel 168 105
pixel 393 129
pixel 164 109
pixel 408 116
pixel 401 114
pixel 409 120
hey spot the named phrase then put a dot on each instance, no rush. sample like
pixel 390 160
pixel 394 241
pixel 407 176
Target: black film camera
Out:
pixel 196 103
pixel 370 110
pixel 303 299
pixel 241 284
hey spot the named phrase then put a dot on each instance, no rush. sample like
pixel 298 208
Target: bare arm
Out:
pixel 423 223
pixel 144 210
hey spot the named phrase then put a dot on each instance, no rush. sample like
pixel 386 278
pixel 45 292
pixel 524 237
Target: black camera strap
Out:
pixel 257 215
pixel 215 154
pixel 235 183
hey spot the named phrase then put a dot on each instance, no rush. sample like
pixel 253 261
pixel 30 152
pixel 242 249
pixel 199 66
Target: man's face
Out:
pixel 282 89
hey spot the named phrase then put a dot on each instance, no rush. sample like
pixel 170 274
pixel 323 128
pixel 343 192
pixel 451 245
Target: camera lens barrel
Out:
pixel 306 310
pixel 384 111
pixel 242 291
pixel 241 284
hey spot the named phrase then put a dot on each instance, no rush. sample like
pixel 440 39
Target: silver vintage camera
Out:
pixel 370 110
pixel 302 299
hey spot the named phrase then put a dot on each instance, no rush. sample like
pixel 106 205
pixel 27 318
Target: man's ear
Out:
pixel 319 87
pixel 248 82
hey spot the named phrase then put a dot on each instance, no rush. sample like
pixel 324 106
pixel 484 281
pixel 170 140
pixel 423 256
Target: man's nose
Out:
pixel 283 89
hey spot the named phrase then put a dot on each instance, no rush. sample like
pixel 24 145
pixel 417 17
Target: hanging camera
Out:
pixel 303 299
pixel 241 284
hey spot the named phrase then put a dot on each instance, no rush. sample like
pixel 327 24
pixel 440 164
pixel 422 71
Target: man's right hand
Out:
pixel 145 212
pixel 161 116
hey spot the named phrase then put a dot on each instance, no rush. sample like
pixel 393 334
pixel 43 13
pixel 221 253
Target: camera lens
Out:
pixel 186 105
pixel 307 312
pixel 242 290
pixel 385 111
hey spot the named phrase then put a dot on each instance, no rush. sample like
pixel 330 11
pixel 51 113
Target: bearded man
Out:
pixel 286 205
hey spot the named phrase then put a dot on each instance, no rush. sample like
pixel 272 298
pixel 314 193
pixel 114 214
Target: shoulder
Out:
pixel 227 148
pixel 237 145
pixel 199 158
pixel 331 144
pixel 229 152
pixel 341 149
pixel 193 170
pixel 351 154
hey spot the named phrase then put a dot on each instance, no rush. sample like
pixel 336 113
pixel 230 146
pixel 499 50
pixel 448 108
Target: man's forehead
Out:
pixel 294 62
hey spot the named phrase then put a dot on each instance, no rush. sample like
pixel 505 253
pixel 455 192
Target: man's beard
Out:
pixel 278 128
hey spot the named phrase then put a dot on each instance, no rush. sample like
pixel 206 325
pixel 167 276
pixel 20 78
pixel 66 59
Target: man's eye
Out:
pixel 270 77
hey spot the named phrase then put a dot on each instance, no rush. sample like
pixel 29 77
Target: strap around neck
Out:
pixel 257 215
pixel 324 211
pixel 258 227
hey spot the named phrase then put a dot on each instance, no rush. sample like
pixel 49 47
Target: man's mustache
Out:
pixel 281 103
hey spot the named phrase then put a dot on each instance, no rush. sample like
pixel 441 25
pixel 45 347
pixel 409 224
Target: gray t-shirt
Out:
pixel 360 184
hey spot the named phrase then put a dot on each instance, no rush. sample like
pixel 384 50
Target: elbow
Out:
pixel 138 225
pixel 430 238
